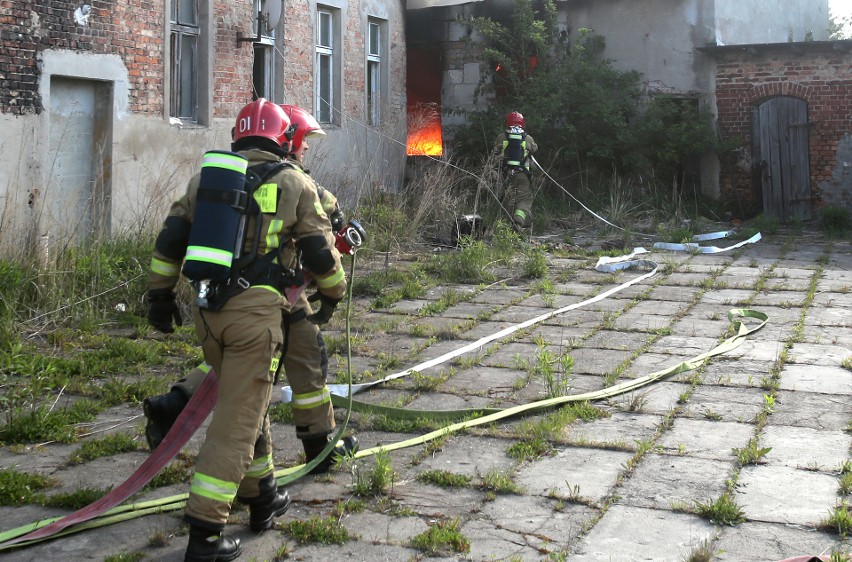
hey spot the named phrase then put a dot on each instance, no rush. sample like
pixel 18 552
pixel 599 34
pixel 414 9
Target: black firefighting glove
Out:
pixel 162 309
pixel 337 220
pixel 326 310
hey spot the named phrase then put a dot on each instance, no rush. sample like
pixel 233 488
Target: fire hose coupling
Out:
pixel 349 238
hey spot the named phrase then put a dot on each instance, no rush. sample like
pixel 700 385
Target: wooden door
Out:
pixel 781 151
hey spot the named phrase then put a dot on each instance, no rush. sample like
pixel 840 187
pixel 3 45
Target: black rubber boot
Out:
pixel 208 545
pixel 162 411
pixel 314 446
pixel 271 503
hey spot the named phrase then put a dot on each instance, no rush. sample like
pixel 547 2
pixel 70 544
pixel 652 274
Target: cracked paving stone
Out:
pixel 592 470
pixel 780 494
pixel 628 534
pixel 667 481
pixel 705 438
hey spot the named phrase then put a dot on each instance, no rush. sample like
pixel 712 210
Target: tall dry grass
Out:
pixel 68 264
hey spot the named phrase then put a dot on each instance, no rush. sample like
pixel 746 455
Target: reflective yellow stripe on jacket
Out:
pixel 331 280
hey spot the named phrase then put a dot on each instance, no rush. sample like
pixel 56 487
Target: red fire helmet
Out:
pixel 515 119
pixel 305 124
pixel 262 118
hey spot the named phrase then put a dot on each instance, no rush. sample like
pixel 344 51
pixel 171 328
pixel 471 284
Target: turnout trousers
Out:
pixel 520 198
pixel 306 369
pixel 240 342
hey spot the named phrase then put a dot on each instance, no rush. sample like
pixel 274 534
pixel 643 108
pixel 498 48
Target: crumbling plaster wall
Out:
pixel 658 37
pixel 654 37
pixel 739 23
pixel 836 190
pixel 123 44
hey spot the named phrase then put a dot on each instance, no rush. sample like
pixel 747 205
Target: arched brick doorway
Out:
pixel 781 154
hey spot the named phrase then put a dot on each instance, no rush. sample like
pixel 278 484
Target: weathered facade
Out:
pixel 106 107
pixel 790 107
pixel 675 45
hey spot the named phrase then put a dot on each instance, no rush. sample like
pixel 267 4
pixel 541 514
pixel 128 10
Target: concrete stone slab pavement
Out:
pixel 741 459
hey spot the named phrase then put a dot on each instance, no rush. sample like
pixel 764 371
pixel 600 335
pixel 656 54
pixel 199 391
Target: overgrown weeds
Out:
pixel 75 500
pixel 839 519
pixel 702 552
pixel 98 283
pixel 175 473
pixel 442 539
pixel 836 221
pixel 375 482
pixel 721 511
pixel 444 478
pixel 43 424
pixel 17 488
pixel 761 223
pixel 468 265
pixel 537 435
pixel 125 557
pixel 553 370
pixel 104 447
pixel 497 482
pixel 317 530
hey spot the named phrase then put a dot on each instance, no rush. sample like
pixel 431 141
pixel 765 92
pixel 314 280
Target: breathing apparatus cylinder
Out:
pixel 215 238
pixel 513 148
pixel 349 238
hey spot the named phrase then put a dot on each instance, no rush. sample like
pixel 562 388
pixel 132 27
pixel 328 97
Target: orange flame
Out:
pixel 423 90
pixel 427 140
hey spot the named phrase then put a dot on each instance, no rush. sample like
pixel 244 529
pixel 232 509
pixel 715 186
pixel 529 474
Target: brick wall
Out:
pixel 232 61
pixel 150 157
pixel 300 44
pixel 131 30
pixel 135 32
pixel 817 74
pixel 299 63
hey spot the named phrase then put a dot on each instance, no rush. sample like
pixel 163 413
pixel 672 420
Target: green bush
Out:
pixel 583 112
pixel 572 98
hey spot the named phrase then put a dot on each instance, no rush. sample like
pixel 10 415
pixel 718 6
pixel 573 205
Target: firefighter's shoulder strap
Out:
pixel 255 176
pixel 252 269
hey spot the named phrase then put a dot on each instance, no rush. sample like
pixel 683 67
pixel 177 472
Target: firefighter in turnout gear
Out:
pixel 305 356
pixel 239 321
pixel 516 146
pixel 306 360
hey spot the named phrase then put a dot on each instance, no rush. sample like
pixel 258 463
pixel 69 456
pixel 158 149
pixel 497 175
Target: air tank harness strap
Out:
pixel 233 198
pixel 263 271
